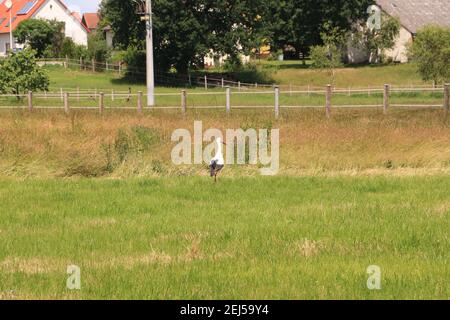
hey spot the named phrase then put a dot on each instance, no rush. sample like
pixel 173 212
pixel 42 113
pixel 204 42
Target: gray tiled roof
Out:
pixel 415 14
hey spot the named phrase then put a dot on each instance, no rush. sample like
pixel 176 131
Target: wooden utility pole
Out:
pixel 446 99
pixel 277 102
pixel 328 94
pixel 30 101
pixel 386 98
pixel 183 101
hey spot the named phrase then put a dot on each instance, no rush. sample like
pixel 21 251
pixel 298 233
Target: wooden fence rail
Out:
pixel 100 98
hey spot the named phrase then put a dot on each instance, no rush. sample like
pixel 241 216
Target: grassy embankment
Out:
pixel 123 144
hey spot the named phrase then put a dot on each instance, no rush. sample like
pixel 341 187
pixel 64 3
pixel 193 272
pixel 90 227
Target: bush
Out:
pixel 250 73
pixel 136 64
pixel 97 47
pixel 326 56
pixel 431 51
pixel 20 73
pixel 35 33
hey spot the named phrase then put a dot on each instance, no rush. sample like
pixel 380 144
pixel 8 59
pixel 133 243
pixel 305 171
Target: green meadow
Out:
pixel 255 238
pixel 100 192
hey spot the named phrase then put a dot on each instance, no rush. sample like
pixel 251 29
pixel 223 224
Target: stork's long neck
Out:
pixel 219 148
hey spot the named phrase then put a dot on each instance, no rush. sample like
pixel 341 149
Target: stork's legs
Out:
pixel 215 178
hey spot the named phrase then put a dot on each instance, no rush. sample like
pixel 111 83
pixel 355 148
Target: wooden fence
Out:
pixel 102 100
pixel 209 82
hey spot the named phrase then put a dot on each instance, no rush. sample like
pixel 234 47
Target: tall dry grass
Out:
pixel 123 144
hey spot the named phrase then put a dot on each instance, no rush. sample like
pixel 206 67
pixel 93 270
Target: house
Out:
pixel 413 15
pixel 91 20
pixel 38 9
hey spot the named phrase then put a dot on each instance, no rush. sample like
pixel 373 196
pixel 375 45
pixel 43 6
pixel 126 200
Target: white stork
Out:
pixel 218 162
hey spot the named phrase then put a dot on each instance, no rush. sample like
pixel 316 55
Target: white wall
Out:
pixel 53 9
pixel 400 51
pixel 4 39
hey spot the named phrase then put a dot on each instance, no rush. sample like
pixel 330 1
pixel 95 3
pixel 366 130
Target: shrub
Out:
pixel 136 64
pixel 431 51
pixel 20 73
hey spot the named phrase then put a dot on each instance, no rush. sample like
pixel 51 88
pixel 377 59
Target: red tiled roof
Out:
pixel 91 20
pixel 17 6
pixel 76 15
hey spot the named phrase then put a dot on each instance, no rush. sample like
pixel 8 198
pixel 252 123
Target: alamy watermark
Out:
pixel 374 20
pixel 374 280
pixel 242 147
pixel 74 280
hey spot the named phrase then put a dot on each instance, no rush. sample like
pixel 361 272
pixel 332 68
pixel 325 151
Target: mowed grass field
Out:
pixel 244 238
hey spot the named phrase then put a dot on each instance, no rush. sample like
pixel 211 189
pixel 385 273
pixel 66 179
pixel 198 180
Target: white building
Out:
pixel 413 15
pixel 38 9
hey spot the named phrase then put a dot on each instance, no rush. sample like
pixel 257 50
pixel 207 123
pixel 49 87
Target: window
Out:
pixel 7 47
pixel 26 8
pixel 12 21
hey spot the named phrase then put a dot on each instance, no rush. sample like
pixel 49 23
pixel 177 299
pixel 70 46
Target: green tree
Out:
pixel 97 47
pixel 38 34
pixel 185 30
pixel 329 55
pixel 236 27
pixel 300 23
pixel 20 73
pixel 377 41
pixel 431 51
pixel 57 38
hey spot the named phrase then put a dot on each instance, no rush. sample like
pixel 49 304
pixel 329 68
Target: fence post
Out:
pixel 239 85
pixel 206 82
pixel 120 68
pixel 183 101
pixel 78 93
pixel 228 99
pixel 328 100
pixel 66 102
pixel 139 101
pixel 101 104
pixel 223 83
pixel 93 65
pixel 446 99
pixel 112 95
pixel 62 94
pixel 67 62
pixel 386 98
pixel 277 102
pixel 107 66
pixel 30 101
pixel 81 63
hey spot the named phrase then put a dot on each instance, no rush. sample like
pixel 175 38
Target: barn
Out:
pixel 413 15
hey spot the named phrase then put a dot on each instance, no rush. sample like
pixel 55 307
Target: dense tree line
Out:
pixel 186 30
